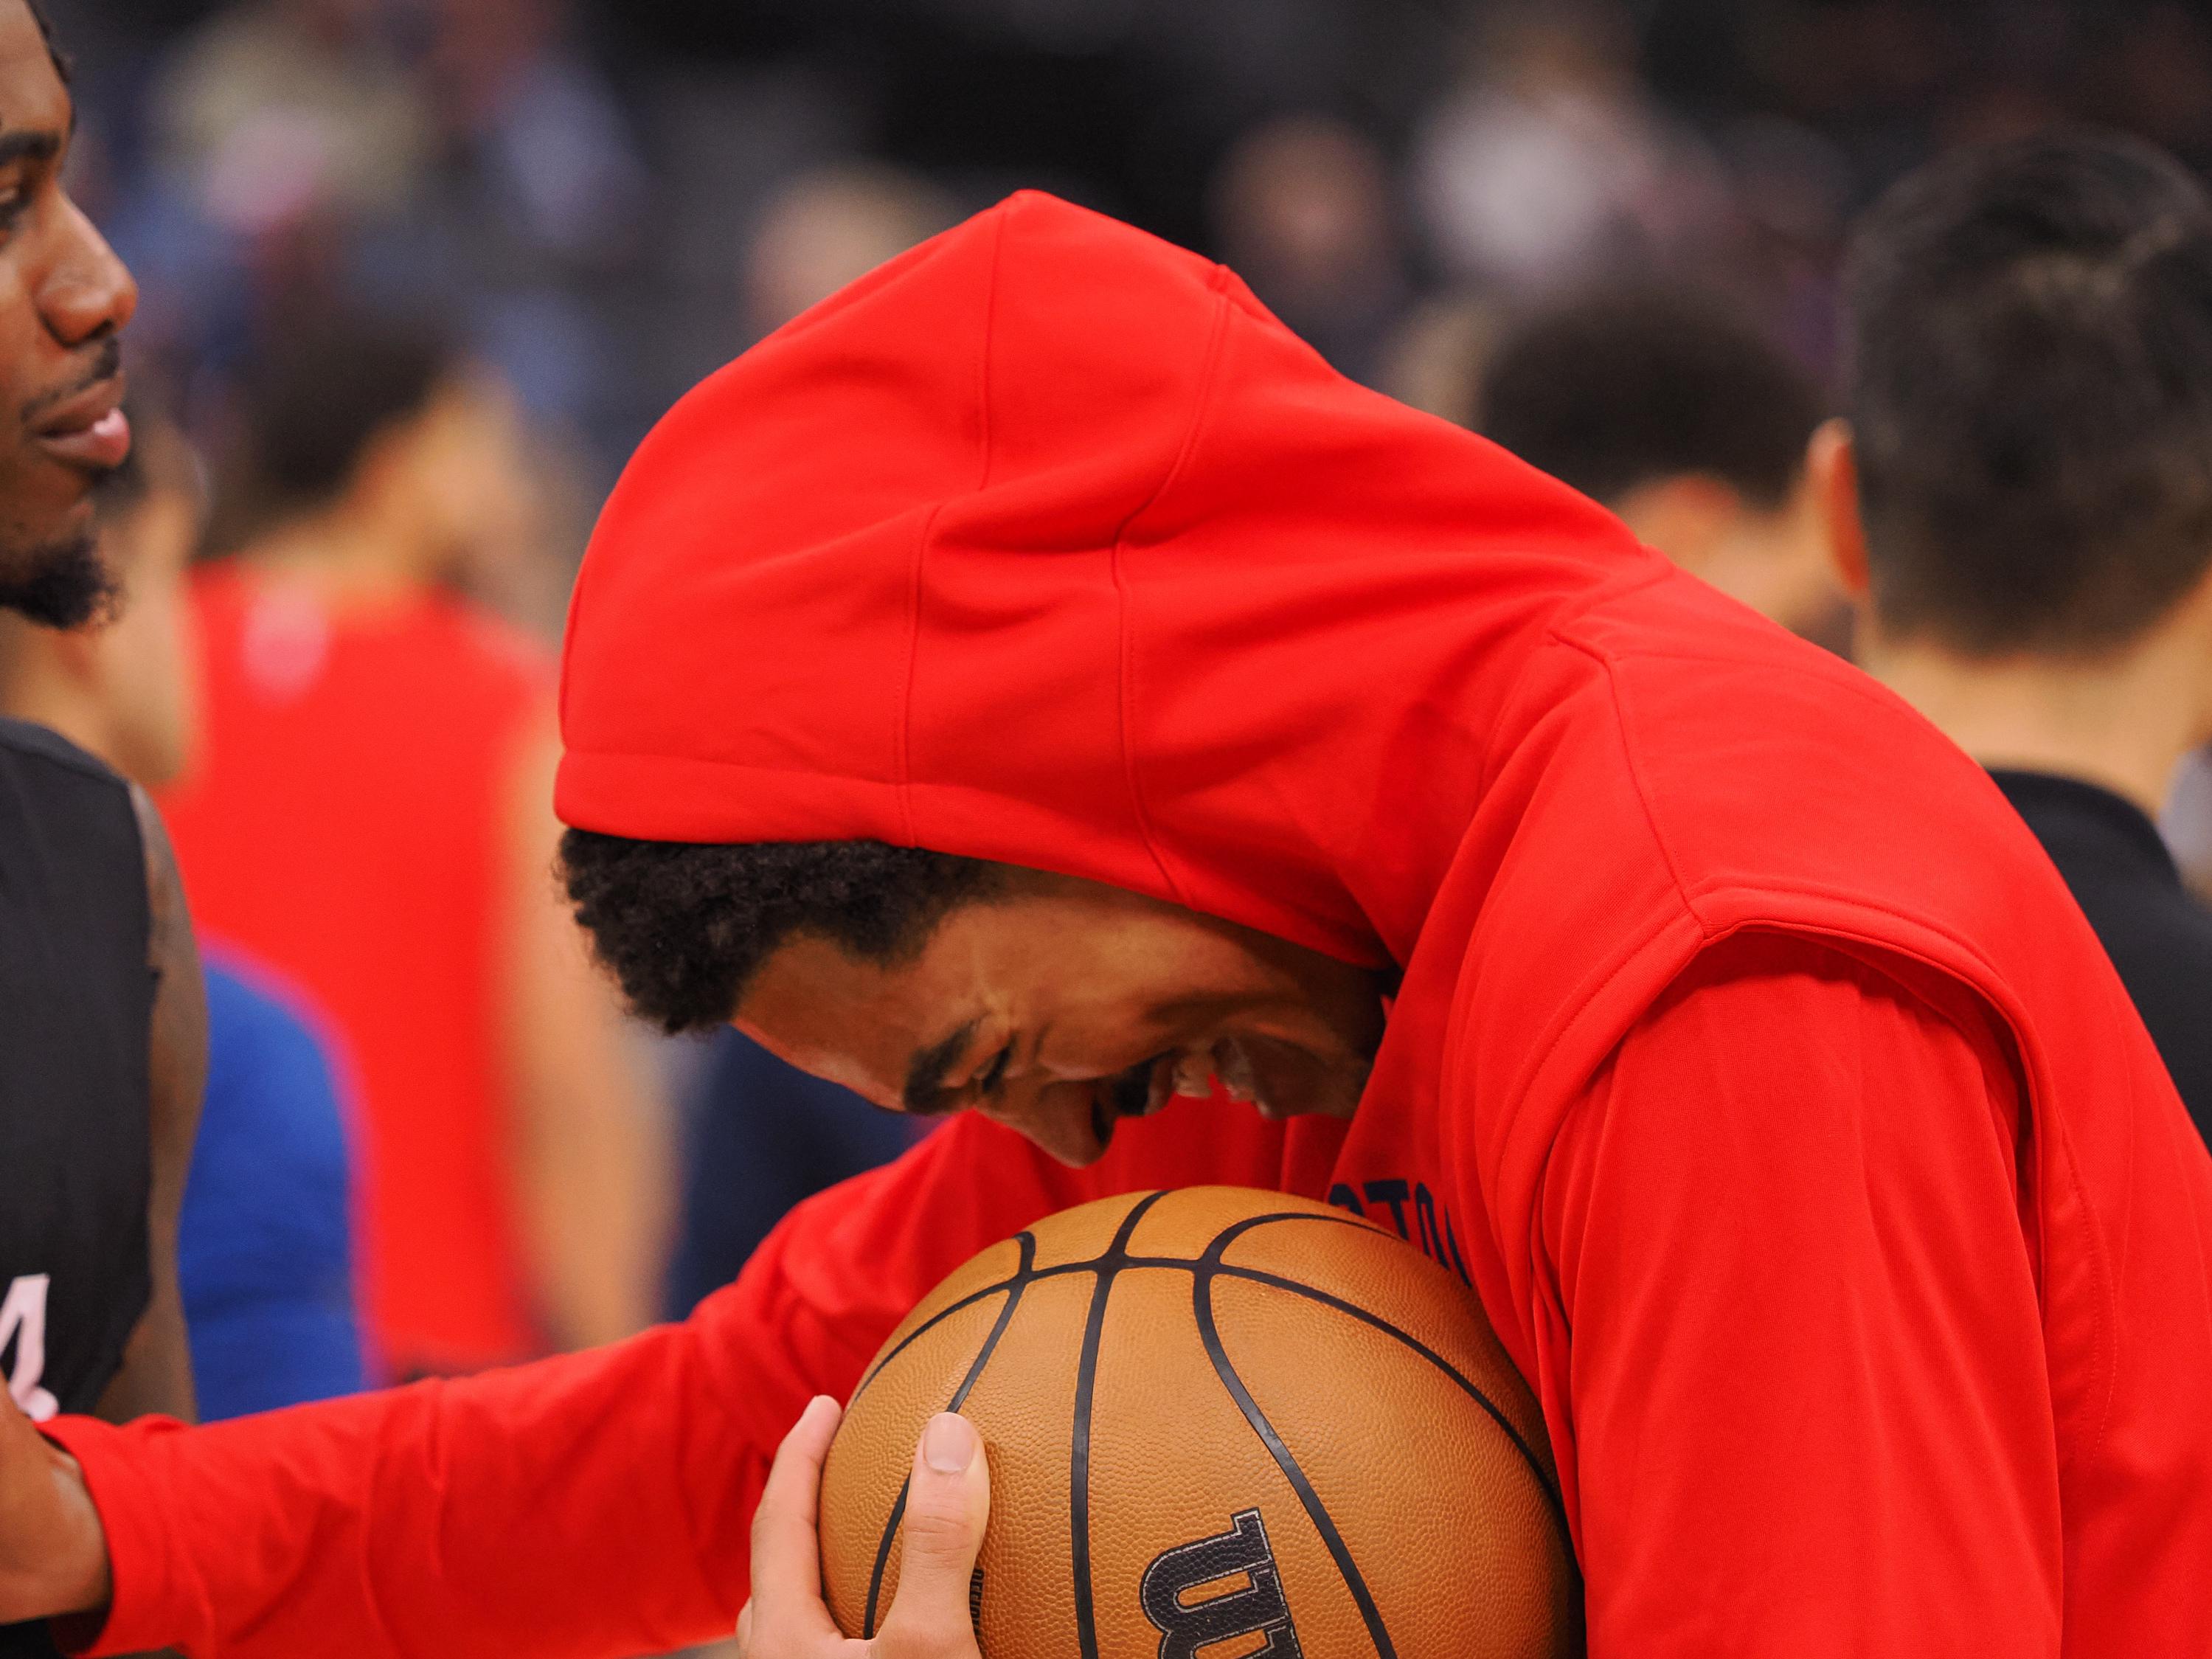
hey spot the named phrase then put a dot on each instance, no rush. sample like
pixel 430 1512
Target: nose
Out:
pixel 88 294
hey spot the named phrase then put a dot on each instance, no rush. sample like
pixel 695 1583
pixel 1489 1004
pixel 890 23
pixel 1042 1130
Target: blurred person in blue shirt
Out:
pixel 264 1243
pixel 265 1248
pixel 760 1135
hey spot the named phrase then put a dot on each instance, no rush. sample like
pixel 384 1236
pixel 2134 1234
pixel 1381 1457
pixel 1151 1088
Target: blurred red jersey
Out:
pixel 346 822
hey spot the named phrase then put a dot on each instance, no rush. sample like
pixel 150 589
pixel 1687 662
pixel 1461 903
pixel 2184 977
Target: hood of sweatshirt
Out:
pixel 1045 542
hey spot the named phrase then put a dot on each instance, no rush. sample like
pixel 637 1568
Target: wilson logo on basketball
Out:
pixel 1257 1607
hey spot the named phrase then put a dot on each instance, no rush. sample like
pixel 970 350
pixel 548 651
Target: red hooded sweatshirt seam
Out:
pixel 1555 632
pixel 2099 1384
pixel 903 725
pixel 1621 726
pixel 1125 653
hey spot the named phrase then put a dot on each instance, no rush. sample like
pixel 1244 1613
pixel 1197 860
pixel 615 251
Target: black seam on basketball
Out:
pixel 1553 1506
pixel 1110 1263
pixel 1027 1274
pixel 1202 1298
pixel 1024 1271
pixel 1236 1230
pixel 1027 1244
pixel 883 1556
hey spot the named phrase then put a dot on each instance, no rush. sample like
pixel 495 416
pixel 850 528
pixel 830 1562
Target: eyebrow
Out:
pixel 925 1077
pixel 29 144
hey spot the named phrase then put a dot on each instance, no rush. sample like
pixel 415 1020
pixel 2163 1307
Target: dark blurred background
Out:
pixel 610 200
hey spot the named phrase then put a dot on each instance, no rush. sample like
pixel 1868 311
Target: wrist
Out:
pixel 81 1581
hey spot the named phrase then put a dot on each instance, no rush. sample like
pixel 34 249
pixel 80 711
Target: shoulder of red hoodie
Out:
pixel 1676 772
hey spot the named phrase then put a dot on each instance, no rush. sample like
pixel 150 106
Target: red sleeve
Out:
pixel 594 1504
pixel 1799 1324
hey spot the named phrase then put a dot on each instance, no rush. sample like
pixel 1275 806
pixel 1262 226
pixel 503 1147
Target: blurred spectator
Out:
pixel 275 107
pixel 265 1254
pixel 536 197
pixel 1437 354
pixel 2025 505
pixel 1688 423
pixel 558 168
pixel 1302 212
pixel 759 1136
pixel 264 1249
pixel 1554 160
pixel 372 815
pixel 829 226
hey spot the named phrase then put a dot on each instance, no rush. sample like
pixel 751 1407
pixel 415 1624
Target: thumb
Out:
pixel 948 1500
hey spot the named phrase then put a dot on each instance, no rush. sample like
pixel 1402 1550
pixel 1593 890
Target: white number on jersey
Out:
pixel 23 1322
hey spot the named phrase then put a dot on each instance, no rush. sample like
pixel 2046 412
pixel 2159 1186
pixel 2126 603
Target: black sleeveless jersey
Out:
pixel 77 996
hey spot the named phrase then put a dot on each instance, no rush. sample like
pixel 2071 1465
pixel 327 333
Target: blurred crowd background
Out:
pixel 416 275
pixel 607 201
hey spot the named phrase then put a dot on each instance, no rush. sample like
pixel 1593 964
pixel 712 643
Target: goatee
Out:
pixel 66 584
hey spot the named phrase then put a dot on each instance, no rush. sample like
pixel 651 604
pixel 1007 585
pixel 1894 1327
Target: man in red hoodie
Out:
pixel 1033 680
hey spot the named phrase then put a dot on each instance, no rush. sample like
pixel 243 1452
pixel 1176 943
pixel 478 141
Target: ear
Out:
pixel 1832 473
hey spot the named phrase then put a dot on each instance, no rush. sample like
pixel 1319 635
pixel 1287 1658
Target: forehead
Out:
pixel 32 95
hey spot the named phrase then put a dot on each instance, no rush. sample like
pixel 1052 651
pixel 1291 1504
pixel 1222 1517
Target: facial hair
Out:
pixel 62 584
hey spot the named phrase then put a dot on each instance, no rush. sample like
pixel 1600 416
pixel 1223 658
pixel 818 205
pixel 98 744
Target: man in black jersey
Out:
pixel 102 1027
pixel 2026 506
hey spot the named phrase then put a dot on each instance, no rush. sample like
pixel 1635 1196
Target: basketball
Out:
pixel 1216 1416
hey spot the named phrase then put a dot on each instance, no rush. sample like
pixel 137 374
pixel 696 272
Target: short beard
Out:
pixel 66 585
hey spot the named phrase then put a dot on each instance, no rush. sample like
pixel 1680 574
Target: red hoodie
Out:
pixel 1750 1060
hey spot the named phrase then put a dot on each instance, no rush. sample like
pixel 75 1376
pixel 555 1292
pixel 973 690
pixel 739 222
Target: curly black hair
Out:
pixel 684 925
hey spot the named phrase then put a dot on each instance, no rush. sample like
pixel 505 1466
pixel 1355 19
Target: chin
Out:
pixel 60 583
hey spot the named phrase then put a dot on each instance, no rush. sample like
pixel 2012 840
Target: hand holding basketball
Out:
pixel 948 1501
pixel 53 1556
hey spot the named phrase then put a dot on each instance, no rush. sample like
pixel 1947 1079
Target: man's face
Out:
pixel 1063 1006
pixel 65 298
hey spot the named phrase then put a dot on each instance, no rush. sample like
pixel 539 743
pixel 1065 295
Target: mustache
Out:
pixel 105 363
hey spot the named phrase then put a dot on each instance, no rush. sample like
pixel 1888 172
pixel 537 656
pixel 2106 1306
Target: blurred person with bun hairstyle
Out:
pixel 367 814
pixel 1685 419
pixel 2023 507
pixel 265 1239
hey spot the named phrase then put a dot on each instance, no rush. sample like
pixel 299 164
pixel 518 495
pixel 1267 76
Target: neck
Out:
pixel 346 553
pixel 33 688
pixel 2123 723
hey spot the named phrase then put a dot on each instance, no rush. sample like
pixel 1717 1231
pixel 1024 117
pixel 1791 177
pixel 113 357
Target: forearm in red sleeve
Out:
pixel 1801 1325
pixel 594 1504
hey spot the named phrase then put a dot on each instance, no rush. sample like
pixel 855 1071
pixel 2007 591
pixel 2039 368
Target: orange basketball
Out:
pixel 1220 1424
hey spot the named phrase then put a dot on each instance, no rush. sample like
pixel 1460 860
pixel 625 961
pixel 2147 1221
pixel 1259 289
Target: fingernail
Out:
pixel 948 1444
